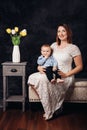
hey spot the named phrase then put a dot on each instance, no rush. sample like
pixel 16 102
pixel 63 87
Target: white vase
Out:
pixel 16 54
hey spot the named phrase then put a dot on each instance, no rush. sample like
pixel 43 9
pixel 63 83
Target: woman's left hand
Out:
pixel 62 74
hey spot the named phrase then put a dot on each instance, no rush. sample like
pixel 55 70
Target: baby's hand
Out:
pixel 54 68
pixel 46 57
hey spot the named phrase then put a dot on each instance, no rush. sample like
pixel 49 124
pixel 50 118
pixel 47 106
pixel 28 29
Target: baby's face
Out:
pixel 46 51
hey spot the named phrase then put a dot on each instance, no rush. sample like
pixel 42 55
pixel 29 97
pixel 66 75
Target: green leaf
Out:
pixel 15 40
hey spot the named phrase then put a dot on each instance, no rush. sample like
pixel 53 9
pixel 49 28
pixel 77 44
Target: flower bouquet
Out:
pixel 15 37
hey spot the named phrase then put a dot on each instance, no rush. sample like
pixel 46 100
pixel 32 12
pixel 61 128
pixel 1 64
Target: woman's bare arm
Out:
pixel 78 67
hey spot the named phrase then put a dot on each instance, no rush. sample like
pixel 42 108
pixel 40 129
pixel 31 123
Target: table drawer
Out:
pixel 12 70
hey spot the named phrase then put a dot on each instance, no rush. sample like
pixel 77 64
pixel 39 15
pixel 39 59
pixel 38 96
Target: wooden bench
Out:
pixel 76 93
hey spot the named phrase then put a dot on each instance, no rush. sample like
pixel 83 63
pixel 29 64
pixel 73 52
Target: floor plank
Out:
pixel 74 117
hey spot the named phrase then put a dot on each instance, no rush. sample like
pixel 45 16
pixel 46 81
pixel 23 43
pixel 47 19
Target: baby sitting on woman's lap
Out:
pixel 48 62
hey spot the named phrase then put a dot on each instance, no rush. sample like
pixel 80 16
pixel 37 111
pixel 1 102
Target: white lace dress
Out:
pixel 53 95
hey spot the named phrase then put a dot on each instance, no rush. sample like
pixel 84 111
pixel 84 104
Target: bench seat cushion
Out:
pixel 76 93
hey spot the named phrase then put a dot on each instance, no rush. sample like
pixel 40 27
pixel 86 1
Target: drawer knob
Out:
pixel 13 70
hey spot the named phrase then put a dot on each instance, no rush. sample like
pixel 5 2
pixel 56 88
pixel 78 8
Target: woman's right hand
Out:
pixel 41 69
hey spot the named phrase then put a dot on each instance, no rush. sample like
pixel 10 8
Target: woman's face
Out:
pixel 62 33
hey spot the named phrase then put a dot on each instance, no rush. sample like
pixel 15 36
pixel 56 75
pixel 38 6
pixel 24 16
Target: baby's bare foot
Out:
pixel 60 80
pixel 53 81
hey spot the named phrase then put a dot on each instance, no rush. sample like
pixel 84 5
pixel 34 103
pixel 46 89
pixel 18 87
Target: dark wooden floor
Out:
pixel 74 117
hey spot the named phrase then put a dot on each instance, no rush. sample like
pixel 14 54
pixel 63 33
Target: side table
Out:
pixel 13 69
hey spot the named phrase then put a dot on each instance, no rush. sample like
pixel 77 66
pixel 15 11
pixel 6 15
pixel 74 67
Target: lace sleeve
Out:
pixel 75 51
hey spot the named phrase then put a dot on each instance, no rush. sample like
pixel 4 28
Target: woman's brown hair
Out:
pixel 69 34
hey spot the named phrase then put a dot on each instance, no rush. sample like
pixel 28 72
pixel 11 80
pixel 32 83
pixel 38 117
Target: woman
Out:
pixel 53 95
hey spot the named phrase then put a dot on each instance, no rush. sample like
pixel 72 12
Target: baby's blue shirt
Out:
pixel 50 61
